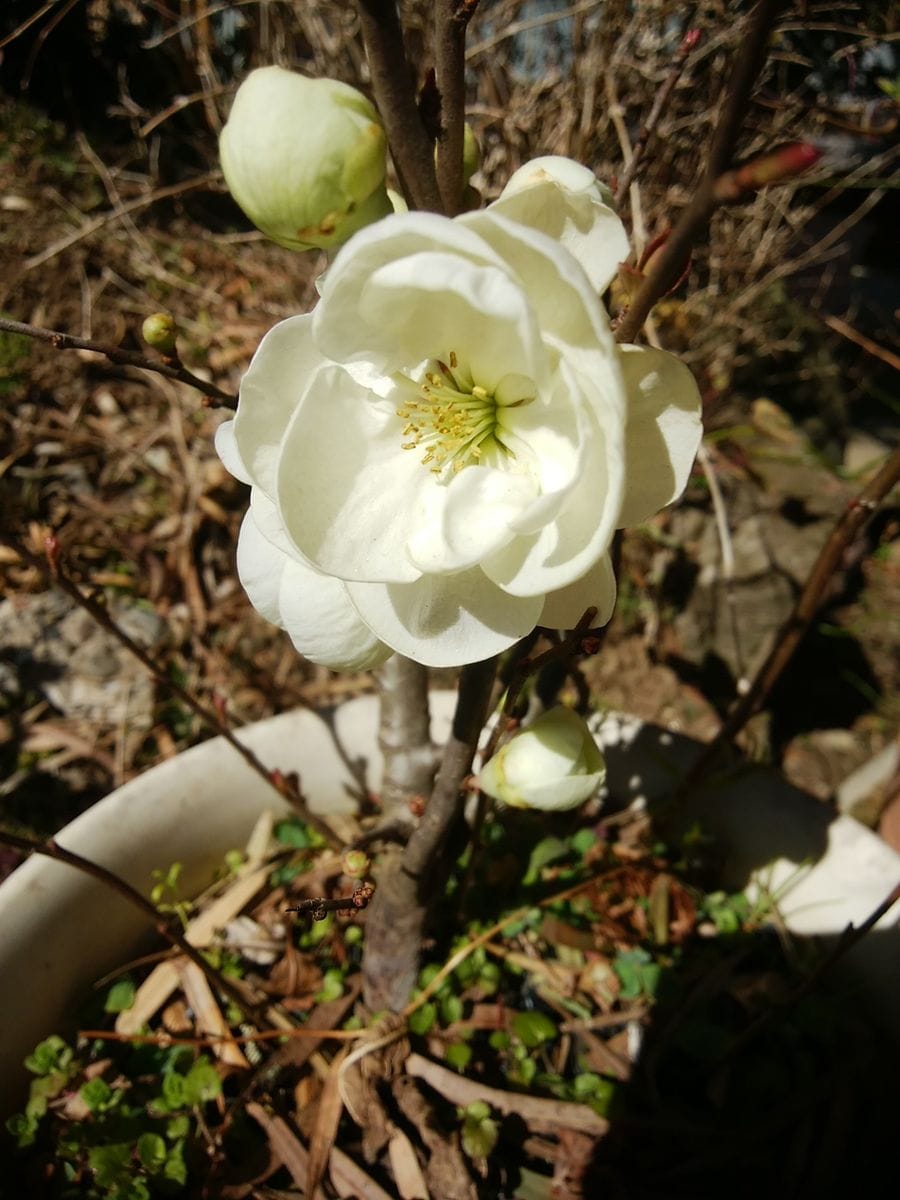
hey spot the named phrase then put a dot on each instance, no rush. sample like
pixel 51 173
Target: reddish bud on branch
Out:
pixel 52 549
pixel 690 41
pixel 775 166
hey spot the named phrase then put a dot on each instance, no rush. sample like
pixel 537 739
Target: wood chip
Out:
pixel 539 1114
pixel 208 1015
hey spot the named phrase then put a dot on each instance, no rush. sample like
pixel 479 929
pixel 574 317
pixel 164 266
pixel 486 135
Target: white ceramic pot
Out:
pixel 61 930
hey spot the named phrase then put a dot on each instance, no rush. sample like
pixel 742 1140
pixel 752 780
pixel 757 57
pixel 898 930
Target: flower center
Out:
pixel 454 420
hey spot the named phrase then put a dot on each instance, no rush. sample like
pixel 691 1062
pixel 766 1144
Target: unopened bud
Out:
pixel 775 166
pixel 356 864
pixel 304 158
pixel 783 163
pixel 553 764
pixel 158 331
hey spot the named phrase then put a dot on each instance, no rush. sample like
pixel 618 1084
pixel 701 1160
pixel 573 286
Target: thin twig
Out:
pixel 851 521
pixel 51 568
pixel 167 929
pixel 671 259
pixel 570 644
pixel 870 347
pixel 172 368
pixel 319 906
pixel 411 148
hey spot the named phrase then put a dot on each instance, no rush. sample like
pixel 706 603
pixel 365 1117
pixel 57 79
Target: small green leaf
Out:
pixel 178 1127
pixel 478 1137
pixel 332 986
pixel 452 1009
pixel 175 1169
pixel 52 1054
pixel 23 1128
pixel 534 1028
pixel 97 1095
pixel 548 850
pixel 111 1164
pixel 584 840
pixel 478 1110
pixel 294 833
pixel 202 1082
pixel 173 1091
pixel 421 1021
pixel 152 1152
pixel 458 1055
pixel 120 996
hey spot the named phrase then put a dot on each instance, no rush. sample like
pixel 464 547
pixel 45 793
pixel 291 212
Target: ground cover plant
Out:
pixel 488 322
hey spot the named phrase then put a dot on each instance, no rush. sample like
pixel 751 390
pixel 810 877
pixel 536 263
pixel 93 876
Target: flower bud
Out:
pixel 554 764
pixel 158 331
pixel 304 158
pixel 355 863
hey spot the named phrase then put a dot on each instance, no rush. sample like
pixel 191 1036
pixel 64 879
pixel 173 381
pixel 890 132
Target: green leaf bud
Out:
pixel 158 331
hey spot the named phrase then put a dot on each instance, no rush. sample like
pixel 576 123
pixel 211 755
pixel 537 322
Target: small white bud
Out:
pixel 554 764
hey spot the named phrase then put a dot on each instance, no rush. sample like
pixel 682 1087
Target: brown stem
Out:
pixel 172 367
pixel 404 736
pixel 318 906
pixel 410 882
pixel 52 570
pixel 395 97
pixel 451 19
pixel 808 603
pixel 167 929
pixel 670 261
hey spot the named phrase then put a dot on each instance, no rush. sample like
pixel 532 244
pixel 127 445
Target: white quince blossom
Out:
pixel 553 765
pixel 441 452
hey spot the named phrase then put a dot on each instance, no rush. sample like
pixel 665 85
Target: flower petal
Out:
pixel 431 303
pixel 566 201
pixel 345 487
pixel 322 623
pixel 470 518
pixel 314 609
pixel 282 369
pixel 596 589
pixel 568 546
pixel 226 448
pixel 446 620
pixel 662 433
pixel 341 331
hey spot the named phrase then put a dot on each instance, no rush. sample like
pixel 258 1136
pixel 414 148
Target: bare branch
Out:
pixel 395 97
pixel 171 367
pixel 451 19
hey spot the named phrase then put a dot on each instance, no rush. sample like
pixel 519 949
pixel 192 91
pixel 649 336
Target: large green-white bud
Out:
pixel 554 764
pixel 304 158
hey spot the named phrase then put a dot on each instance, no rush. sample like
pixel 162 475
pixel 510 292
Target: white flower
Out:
pixel 304 158
pixel 452 437
pixel 553 765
